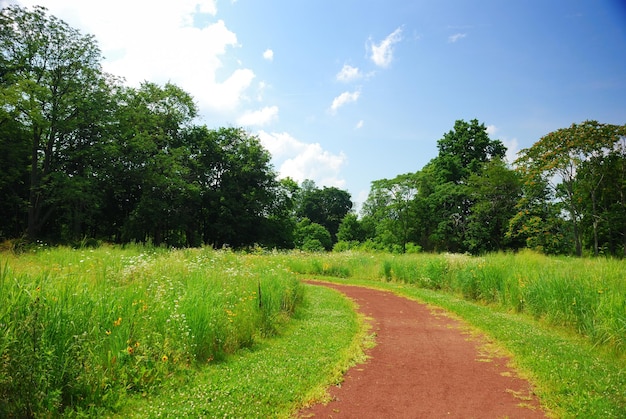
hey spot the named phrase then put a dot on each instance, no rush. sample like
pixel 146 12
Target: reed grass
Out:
pixel 586 296
pixel 83 328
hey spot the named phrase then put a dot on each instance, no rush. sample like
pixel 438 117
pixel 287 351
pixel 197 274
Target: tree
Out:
pixel 602 180
pixel 327 207
pixel 350 229
pixel 239 197
pixel 495 191
pixel 391 205
pixel 557 158
pixel 311 236
pixel 463 151
pixel 152 163
pixel 49 73
pixel 14 160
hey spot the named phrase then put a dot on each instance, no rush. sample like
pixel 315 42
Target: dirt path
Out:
pixel 423 366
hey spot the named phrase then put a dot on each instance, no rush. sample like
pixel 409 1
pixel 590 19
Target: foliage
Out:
pixel 87 157
pixel 312 237
pixel 326 207
pixel 559 157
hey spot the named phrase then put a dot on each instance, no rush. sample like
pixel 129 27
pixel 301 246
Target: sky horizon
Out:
pixel 348 92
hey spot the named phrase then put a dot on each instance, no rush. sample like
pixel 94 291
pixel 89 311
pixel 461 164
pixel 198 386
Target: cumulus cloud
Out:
pixel 299 160
pixel 349 73
pixel 344 98
pixel 160 42
pixel 268 54
pixel 382 53
pixel 456 37
pixel 260 117
pixel 491 130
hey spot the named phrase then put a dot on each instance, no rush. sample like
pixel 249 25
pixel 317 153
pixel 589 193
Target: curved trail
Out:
pixel 423 366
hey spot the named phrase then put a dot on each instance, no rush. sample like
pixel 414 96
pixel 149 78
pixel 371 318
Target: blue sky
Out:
pixel 345 92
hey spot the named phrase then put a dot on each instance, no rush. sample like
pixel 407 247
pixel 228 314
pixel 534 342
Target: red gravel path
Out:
pixel 424 365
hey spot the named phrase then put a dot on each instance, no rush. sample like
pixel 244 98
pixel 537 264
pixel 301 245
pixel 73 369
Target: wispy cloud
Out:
pixel 260 117
pixel 349 73
pixel 382 53
pixel 344 98
pixel 456 37
pixel 359 124
pixel 268 54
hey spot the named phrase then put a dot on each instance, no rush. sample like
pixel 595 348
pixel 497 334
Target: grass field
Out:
pixel 148 332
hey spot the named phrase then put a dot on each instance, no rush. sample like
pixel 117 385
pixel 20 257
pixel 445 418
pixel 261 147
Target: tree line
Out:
pixel 564 195
pixel 82 156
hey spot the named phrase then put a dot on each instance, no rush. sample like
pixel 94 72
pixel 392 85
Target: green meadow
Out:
pixel 145 331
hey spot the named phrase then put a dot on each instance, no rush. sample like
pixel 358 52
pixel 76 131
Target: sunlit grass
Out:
pixel 147 331
pixel 83 328
pixel 272 378
pixel 586 296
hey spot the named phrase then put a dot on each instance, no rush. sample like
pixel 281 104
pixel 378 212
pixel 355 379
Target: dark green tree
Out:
pixel 351 229
pixel 311 236
pixel 463 151
pixel 241 193
pixel 327 207
pixel 49 72
pixel 495 192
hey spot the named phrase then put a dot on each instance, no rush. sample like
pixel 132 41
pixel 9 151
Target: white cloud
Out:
pixel 259 118
pixel 299 160
pixel 349 73
pixel 512 148
pixel 491 130
pixel 456 37
pixel 382 54
pixel 359 124
pixel 261 90
pixel 344 98
pixel 268 54
pixel 158 41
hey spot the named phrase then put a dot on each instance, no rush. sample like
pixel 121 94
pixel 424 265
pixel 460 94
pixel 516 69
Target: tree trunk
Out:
pixel 33 194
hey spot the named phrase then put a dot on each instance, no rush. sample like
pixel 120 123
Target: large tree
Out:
pixel 327 206
pixel 238 200
pixel 463 152
pixel 495 191
pixel 557 158
pixel 390 207
pixel 49 74
pixel 149 186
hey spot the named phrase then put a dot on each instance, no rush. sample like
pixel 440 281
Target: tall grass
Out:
pixel 586 296
pixel 79 329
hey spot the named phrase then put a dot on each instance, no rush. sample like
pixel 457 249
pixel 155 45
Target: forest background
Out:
pixel 84 158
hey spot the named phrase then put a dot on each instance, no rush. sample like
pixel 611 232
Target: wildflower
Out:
pixel 117 322
pixel 130 350
pixel 164 358
pixel 136 344
pixel 108 332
